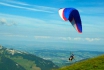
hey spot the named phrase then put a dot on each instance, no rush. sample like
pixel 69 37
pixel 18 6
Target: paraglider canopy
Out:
pixel 72 15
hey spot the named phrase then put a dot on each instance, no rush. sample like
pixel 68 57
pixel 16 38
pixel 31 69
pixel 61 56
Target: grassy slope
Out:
pixel 90 64
pixel 8 64
pixel 27 64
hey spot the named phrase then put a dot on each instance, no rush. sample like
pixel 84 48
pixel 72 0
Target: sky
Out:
pixel 39 21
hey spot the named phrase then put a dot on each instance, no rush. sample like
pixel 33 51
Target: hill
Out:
pixel 11 59
pixel 90 64
pixel 8 64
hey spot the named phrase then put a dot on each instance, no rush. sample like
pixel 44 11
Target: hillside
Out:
pixel 90 64
pixel 11 59
pixel 8 64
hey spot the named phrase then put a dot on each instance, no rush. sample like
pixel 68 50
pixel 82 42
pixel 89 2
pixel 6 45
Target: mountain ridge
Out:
pixel 24 60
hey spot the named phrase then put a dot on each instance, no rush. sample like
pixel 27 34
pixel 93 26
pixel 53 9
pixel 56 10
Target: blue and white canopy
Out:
pixel 73 16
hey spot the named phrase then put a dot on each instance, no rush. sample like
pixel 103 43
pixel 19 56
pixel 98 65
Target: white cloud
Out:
pixel 12 35
pixel 92 39
pixel 19 20
pixel 77 38
pixel 34 6
pixel 97 39
pixel 41 37
pixel 51 37
pixel 89 39
pixel 28 6
pixel 4 21
pixel 69 38
pixel 62 38
pixel 17 2
pixel 42 7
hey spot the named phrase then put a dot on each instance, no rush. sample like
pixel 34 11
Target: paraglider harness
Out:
pixel 71 57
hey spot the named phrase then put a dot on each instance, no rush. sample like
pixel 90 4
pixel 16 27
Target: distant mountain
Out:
pixel 90 64
pixel 11 59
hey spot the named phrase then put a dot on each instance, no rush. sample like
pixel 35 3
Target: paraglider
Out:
pixel 73 16
pixel 71 57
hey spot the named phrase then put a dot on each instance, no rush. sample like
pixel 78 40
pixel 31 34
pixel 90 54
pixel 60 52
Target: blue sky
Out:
pixel 38 20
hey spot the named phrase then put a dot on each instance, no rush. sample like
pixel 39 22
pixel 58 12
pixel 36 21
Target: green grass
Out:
pixel 90 64
pixel 27 64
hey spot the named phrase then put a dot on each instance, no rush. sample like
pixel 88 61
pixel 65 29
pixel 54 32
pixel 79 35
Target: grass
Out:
pixel 90 64
pixel 27 64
